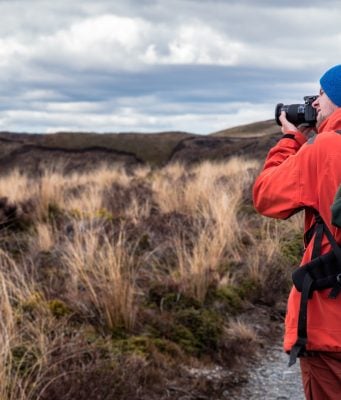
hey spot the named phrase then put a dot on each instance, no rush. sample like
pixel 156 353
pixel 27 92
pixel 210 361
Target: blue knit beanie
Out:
pixel 331 84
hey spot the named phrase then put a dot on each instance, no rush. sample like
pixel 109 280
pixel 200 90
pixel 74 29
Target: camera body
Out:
pixel 298 114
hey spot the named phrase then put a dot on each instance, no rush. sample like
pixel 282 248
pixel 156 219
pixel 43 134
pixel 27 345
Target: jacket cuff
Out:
pixel 295 135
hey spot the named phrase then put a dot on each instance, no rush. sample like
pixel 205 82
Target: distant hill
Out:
pixel 74 151
pixel 262 128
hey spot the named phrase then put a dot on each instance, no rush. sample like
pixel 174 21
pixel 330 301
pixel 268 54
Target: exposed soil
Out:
pixel 222 148
pixel 72 151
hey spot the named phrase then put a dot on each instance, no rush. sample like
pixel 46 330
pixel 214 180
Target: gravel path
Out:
pixel 271 379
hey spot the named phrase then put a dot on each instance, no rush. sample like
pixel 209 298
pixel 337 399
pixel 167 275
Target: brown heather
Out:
pixel 113 283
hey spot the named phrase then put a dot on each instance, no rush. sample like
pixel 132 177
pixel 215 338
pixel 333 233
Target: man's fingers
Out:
pixel 286 125
pixel 282 116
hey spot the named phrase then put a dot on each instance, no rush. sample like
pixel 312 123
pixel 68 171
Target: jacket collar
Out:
pixel 332 123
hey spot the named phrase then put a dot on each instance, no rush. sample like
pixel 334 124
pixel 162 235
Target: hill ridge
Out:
pixel 33 151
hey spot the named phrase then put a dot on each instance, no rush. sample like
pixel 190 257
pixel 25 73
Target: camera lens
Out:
pixel 278 111
pixel 294 113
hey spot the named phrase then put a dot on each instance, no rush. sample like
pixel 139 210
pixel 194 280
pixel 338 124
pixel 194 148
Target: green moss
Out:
pixel 177 340
pixel 132 345
pixel 168 300
pixel 144 346
pixel 199 330
pixel 58 308
pixel 184 338
pixel 249 288
pixel 292 249
pixel 75 213
pixel 36 304
pixel 166 347
pixel 103 214
pixel 231 296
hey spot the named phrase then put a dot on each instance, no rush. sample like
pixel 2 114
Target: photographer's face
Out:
pixel 324 107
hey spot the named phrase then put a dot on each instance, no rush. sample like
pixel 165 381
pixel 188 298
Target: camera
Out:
pixel 298 114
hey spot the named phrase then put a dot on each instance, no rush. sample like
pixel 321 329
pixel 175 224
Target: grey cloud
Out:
pixel 279 59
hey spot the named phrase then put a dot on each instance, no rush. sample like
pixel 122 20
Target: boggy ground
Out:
pixel 152 284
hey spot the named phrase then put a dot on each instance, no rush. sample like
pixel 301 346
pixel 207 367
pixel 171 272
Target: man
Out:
pixel 305 174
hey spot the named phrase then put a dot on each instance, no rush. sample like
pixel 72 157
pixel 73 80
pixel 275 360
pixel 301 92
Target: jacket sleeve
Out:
pixel 277 191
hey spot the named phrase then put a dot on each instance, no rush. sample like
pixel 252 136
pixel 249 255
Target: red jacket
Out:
pixel 300 174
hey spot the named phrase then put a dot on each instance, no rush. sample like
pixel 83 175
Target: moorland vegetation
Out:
pixel 135 283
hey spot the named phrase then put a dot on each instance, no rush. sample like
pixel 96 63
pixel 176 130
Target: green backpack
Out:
pixel 336 209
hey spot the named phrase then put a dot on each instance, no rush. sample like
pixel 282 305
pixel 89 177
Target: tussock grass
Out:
pixel 23 350
pixel 242 331
pixel 110 267
pixel 102 277
pixel 266 259
pixel 15 186
pixel 178 188
pixel 213 196
pixel 44 240
pixel 49 191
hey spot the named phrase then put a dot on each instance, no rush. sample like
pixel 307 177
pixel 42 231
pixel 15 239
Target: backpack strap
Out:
pixel 319 228
pixel 299 347
pixel 322 228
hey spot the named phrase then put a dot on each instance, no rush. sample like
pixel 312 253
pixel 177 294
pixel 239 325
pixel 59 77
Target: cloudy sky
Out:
pixel 157 65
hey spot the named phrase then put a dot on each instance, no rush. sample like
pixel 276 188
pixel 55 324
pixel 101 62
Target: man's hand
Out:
pixel 288 127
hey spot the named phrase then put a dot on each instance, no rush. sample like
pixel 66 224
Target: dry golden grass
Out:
pixel 16 187
pixel 192 190
pixel 97 263
pixel 213 197
pixel 242 331
pixel 142 172
pixel 49 190
pixel 138 210
pixel 86 203
pixel 103 177
pixel 18 333
pixel 43 240
pixel 267 249
pixel 102 277
pixel 265 258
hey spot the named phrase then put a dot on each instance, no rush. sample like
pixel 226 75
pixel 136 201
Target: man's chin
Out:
pixel 320 118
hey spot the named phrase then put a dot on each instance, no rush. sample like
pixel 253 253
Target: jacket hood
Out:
pixel 332 123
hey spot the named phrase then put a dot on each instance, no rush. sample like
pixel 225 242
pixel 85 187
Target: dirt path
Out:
pixel 271 379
